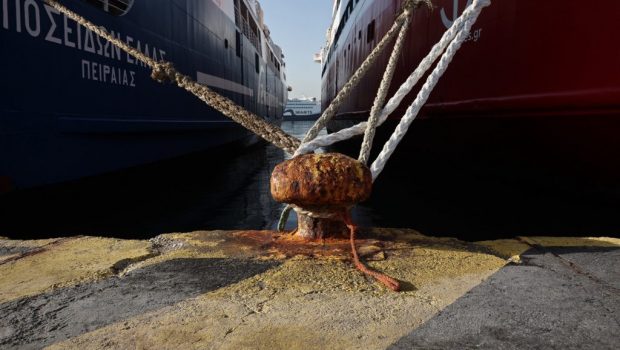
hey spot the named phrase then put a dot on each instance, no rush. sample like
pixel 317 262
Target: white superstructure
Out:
pixel 306 108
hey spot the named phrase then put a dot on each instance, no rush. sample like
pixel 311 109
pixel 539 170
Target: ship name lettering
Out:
pixel 129 42
pixel 104 73
pixel 54 27
pixel 474 35
pixel 18 19
pixel 68 31
pixel 50 33
pixel 29 6
pixel 5 14
pixel 106 49
pixel 100 47
pixel 89 41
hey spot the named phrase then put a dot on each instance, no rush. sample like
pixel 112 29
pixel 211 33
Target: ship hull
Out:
pixel 76 106
pixel 537 83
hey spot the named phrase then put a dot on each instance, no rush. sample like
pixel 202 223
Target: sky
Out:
pixel 298 27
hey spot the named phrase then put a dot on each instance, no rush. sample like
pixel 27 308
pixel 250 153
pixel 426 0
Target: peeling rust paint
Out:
pixel 328 179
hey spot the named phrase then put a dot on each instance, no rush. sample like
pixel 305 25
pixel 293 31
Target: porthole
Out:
pixel 370 31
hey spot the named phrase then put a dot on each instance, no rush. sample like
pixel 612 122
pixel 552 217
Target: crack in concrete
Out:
pixel 257 309
pixel 571 265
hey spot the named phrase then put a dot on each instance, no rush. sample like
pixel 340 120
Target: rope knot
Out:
pixel 163 72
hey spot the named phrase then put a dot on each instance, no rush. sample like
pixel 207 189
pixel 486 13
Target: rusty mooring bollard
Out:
pixel 322 188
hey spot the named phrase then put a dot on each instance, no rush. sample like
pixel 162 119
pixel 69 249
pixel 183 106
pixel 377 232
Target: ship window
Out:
pixel 370 31
pixel 238 44
pixel 359 35
pixel 256 63
pixel 114 7
pixel 226 43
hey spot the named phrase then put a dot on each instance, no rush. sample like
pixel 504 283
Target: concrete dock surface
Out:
pixel 240 290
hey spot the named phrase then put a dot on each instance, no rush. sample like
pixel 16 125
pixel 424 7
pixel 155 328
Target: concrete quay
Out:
pixel 257 290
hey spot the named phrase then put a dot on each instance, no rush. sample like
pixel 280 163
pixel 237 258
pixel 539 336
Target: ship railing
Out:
pixel 246 29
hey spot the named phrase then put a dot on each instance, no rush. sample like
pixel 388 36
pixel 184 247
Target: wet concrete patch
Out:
pixel 44 319
pixel 542 303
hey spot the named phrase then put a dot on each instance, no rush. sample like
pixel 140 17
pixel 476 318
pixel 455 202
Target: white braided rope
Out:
pixel 382 92
pixel 427 88
pixel 398 29
pixel 405 88
pixel 361 71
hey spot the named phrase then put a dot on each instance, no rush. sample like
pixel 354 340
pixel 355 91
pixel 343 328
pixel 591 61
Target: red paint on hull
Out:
pixel 538 85
pixel 526 57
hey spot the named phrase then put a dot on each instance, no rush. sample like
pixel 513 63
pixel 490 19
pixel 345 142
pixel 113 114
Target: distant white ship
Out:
pixel 302 109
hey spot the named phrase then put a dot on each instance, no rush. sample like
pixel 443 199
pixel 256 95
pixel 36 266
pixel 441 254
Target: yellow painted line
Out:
pixel 509 249
pixel 10 244
pixel 318 302
pixel 22 249
pixel 323 303
pixel 17 249
pixel 572 241
pixel 65 264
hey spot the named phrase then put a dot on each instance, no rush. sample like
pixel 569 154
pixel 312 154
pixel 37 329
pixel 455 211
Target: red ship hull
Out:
pixel 541 78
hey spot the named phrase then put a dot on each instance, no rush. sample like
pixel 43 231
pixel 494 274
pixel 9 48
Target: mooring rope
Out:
pixel 165 71
pixel 399 29
pixel 427 88
pixel 386 82
pixel 320 213
pixel 361 71
pixel 450 43
pixel 383 278
pixel 395 101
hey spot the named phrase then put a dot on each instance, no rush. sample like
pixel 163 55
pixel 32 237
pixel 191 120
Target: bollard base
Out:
pixel 310 228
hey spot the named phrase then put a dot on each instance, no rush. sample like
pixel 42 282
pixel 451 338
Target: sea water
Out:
pixel 230 190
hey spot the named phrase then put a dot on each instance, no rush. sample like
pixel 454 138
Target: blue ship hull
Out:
pixel 73 105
